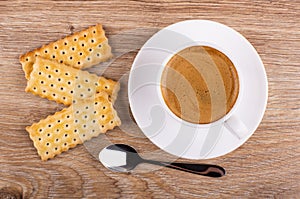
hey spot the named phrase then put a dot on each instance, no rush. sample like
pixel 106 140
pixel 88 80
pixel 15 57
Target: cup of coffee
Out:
pixel 200 85
pixel 191 89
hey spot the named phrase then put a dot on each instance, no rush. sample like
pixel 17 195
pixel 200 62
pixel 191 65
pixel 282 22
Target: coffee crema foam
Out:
pixel 200 84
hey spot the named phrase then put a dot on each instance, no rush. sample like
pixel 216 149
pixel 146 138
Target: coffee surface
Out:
pixel 200 84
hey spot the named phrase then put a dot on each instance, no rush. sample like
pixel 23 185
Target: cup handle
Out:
pixel 236 127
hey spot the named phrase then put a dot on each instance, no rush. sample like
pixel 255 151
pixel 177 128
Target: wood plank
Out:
pixel 266 166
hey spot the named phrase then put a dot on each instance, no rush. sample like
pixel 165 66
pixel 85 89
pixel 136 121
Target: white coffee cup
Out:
pixel 230 120
pixel 186 139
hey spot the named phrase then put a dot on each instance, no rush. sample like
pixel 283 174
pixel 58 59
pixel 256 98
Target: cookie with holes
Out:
pixel 73 125
pixel 80 50
pixel 55 81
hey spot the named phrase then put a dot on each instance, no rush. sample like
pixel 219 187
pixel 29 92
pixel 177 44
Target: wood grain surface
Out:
pixel 266 166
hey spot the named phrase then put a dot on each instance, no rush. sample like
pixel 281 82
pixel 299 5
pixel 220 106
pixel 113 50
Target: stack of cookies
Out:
pixel 54 71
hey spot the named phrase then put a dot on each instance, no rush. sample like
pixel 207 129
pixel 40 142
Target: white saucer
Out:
pixel 160 125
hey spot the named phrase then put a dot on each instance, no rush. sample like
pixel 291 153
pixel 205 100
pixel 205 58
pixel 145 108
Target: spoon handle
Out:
pixel 200 169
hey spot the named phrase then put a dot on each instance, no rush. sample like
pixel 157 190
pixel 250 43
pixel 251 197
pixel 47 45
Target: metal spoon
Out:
pixel 123 158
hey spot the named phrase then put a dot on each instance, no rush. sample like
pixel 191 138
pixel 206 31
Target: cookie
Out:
pixel 73 125
pixel 55 81
pixel 80 50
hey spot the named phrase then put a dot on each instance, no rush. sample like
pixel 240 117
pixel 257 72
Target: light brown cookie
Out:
pixel 80 50
pixel 54 81
pixel 73 125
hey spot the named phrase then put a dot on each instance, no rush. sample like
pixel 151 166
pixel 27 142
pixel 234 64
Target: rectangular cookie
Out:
pixel 73 125
pixel 55 81
pixel 80 50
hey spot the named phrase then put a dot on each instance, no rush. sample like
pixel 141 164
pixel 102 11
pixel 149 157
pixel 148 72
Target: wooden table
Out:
pixel 266 166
